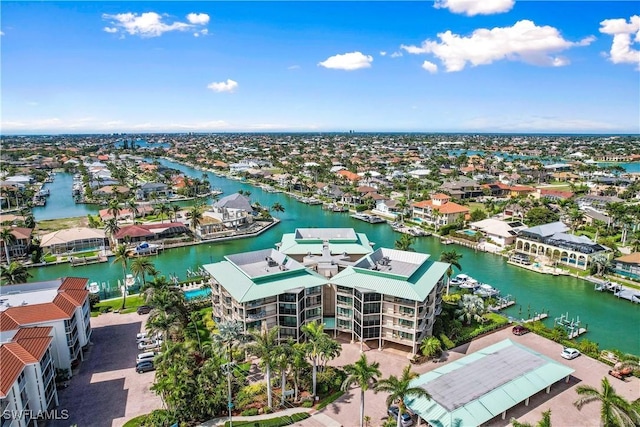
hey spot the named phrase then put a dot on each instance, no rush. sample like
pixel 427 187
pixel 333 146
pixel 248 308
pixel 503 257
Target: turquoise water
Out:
pixel 60 203
pixel 196 293
pixel 470 232
pixel 612 323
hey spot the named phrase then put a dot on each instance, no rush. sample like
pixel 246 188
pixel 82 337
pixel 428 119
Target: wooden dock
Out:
pixel 536 318
pixel 87 260
pixel 576 333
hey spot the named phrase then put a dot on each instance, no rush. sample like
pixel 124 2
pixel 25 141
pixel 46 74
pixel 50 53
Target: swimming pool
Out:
pixel 197 293
pixel 469 232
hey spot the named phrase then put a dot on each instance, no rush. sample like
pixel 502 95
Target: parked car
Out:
pixel 519 330
pixel 145 366
pixel 406 420
pixel 141 336
pixel 149 345
pixel 144 309
pixel 146 356
pixel 570 353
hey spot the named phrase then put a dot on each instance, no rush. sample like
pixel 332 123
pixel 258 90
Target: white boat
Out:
pixel 93 287
pixel 130 280
pixel 470 283
pixel 486 291
pixel 459 279
pixel 371 219
pixel 146 248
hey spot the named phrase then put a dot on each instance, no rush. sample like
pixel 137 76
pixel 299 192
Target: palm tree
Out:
pixel 282 362
pixel 121 253
pixel 404 243
pixel 14 273
pixel 140 267
pixel 316 337
pixel 175 209
pixel 430 346
pixel 196 216
pixel 453 259
pixel 298 361
pixel 133 207
pixel 114 209
pixel 400 389
pixel 615 410
pixel 111 228
pixel 163 211
pixel 544 422
pixel 471 308
pixel 229 333
pixel 7 238
pixel 277 207
pixel 364 375
pixel 264 346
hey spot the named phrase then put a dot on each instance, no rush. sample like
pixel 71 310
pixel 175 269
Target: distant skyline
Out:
pixel 489 66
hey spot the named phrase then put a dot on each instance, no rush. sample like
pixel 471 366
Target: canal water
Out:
pixel 611 322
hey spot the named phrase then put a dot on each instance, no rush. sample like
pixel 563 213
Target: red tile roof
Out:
pixel 64 302
pixel 12 365
pixel 74 283
pixel 36 347
pixel 32 332
pixel 440 196
pixel 32 313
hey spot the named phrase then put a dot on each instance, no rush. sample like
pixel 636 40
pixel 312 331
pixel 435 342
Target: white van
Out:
pixel 149 355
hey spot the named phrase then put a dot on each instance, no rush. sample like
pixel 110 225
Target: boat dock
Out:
pixel 572 326
pixel 502 303
pixel 85 260
pixel 618 290
pixel 536 318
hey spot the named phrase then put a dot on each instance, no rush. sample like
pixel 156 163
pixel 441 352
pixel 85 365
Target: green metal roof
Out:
pixel 417 287
pixel 473 390
pixel 243 289
pixel 290 246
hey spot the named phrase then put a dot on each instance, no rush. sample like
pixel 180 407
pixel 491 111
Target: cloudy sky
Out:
pixel 444 66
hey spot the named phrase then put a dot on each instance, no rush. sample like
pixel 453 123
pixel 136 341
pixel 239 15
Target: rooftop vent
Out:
pixel 271 262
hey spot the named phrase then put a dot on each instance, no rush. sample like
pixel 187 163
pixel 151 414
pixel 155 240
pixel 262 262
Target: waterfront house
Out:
pixel 439 210
pixel 386 296
pixel 74 240
pixel 109 191
pixel 463 188
pixel 19 247
pixel 501 233
pixel 552 195
pixel 146 232
pixel 497 189
pixel 127 214
pixel 628 265
pixel 552 243
pixel 386 207
pixel 158 189
pixel 28 376
pixel 61 306
pixel 520 191
pixel 596 201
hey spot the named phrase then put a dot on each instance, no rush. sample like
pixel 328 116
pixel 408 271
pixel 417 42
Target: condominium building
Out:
pixel 27 383
pixel 62 305
pixel 384 295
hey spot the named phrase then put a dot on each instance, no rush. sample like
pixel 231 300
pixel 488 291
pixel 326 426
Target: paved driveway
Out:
pixel 560 400
pixel 106 390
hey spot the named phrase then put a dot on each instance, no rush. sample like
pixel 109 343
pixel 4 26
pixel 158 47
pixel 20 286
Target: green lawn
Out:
pixel 476 205
pixel 133 301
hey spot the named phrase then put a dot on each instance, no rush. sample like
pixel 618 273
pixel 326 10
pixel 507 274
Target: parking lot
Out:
pixel 560 399
pixel 105 389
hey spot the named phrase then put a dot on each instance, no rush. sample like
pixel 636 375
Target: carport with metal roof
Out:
pixel 485 384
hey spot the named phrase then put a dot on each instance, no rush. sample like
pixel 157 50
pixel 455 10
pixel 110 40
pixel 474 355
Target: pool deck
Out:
pixel 541 269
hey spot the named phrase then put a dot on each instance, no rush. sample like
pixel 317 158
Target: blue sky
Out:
pixel 449 66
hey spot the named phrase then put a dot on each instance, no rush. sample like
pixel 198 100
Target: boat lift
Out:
pixel 571 326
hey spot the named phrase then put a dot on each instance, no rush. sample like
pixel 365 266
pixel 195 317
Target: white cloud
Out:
pixel 198 18
pixel 622 51
pixel 475 7
pixel 524 41
pixel 383 53
pixel 430 67
pixel 293 67
pixel 396 54
pixel 228 86
pixel 536 123
pixel 347 61
pixel 151 24
pixel 1 33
